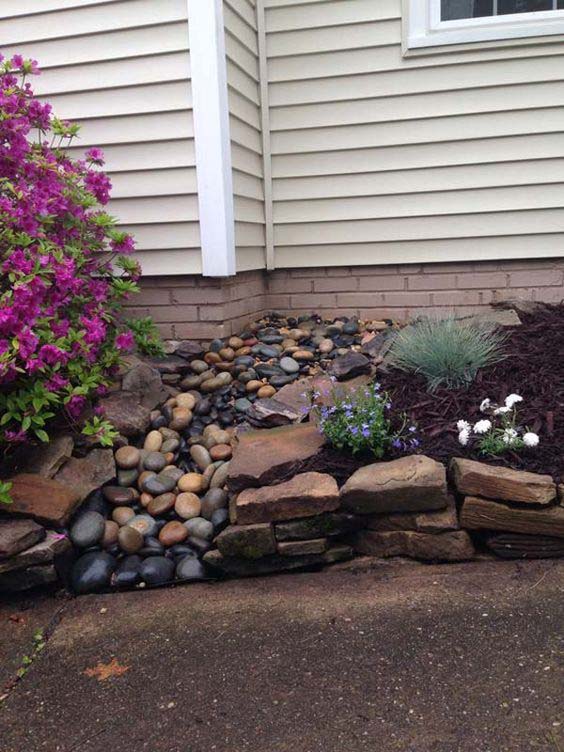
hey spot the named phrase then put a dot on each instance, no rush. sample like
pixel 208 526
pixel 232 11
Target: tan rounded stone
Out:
pixel 122 515
pixel 172 533
pixel 145 498
pixel 111 530
pixel 169 457
pixel 210 430
pixel 246 350
pixel 220 452
pixel 186 400
pixel 289 343
pixel 253 386
pixel 211 384
pixel 225 365
pixel 168 433
pixel 161 504
pixel 187 505
pixel 130 540
pixel 181 418
pixel 266 391
pixel 235 342
pixel 127 457
pixel 303 355
pixel 153 441
pixel 212 357
pixel 227 353
pixel 143 477
pixel 222 437
pixel 192 482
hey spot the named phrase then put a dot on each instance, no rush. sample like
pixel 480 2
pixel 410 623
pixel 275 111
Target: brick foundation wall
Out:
pixel 193 307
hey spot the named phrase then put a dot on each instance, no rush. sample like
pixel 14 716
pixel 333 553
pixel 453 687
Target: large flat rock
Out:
pixel 44 552
pixel 449 546
pixel 248 541
pixel 269 456
pixel 437 521
pixel 17 535
pixel 240 567
pixel 484 514
pixel 409 484
pixel 519 546
pixel 44 499
pixel 306 495
pixel 86 474
pixel 322 526
pixel 478 479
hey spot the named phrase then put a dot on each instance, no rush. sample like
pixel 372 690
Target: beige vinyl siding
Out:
pixel 241 44
pixel 121 68
pixel 380 158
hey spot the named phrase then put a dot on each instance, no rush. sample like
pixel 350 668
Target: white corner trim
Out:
pixel 212 137
pixel 425 29
pixel 266 146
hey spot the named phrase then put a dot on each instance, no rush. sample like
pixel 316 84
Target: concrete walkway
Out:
pixel 395 656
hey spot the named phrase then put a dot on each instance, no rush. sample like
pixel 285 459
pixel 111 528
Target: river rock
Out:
pixel 92 572
pixel 409 484
pixel 305 495
pixel 18 535
pixel 191 482
pixel 267 456
pixel 47 501
pixel 201 456
pixel 449 546
pixel 483 514
pixel 122 515
pixel 118 495
pixel 154 461
pixel 153 441
pixel 187 505
pixel 161 504
pixel 144 524
pixel 200 528
pixel 157 570
pixel 214 499
pixel 173 532
pixel 128 571
pixel 111 530
pixel 478 479
pixel 189 568
pixel 88 530
pixel 248 541
pixel 347 366
pixel 130 540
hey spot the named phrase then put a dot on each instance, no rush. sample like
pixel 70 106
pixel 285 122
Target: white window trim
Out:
pixel 425 28
pixel 212 143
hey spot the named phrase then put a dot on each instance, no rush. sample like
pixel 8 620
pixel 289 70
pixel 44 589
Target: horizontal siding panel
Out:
pixel 238 28
pixel 416 81
pixel 90 20
pixel 420 205
pixel 243 83
pixel 133 100
pixel 415 106
pixel 28 7
pixel 178 181
pixel 421 251
pixel 155 209
pixel 247 185
pixel 243 134
pixel 421 228
pixel 337 63
pixel 246 111
pixel 422 180
pixel 164 236
pixel 241 56
pixel 250 258
pixel 248 234
pixel 244 10
pixel 246 161
pixel 158 155
pixel 333 38
pixel 419 131
pixel 170 262
pixel 249 210
pixel 113 74
pixel 409 156
pixel 135 128
pixel 109 45
pixel 331 13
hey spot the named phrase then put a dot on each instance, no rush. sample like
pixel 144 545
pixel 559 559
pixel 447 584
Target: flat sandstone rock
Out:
pixel 478 479
pixel 438 521
pixel 452 546
pixel 306 495
pixel 410 484
pixel 271 455
pixel 44 499
pixel 483 514
pixel 17 535
pixel 248 541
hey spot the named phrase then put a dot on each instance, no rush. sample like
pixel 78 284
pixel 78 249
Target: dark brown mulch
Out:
pixel 533 367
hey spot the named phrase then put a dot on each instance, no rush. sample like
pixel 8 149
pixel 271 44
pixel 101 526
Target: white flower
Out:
pixel 512 400
pixel 485 405
pixel 501 410
pixel 463 425
pixel 464 436
pixel 509 435
pixel 531 439
pixel 482 426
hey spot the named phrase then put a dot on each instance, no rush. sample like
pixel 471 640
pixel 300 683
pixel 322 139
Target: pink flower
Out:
pixel 76 405
pixel 125 341
pixel 95 155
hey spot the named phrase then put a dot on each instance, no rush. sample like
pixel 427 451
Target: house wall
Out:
pixel 241 44
pixel 121 68
pixel 383 159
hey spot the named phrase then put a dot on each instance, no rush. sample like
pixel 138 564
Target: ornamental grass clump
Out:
pixel 362 421
pixel 500 432
pixel 447 352
pixel 64 269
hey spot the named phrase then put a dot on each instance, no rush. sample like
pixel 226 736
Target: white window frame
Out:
pixel 425 28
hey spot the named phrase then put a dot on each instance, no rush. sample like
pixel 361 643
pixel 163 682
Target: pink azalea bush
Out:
pixel 64 268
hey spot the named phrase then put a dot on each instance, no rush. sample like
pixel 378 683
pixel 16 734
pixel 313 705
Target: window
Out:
pixel 444 22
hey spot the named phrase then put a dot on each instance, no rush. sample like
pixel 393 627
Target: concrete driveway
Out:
pixel 383 656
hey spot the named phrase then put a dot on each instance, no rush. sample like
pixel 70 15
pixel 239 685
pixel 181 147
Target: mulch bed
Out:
pixel 533 367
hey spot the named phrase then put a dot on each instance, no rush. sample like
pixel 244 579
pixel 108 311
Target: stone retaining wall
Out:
pixel 201 308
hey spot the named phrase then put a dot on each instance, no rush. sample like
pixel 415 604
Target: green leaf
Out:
pixel 42 435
